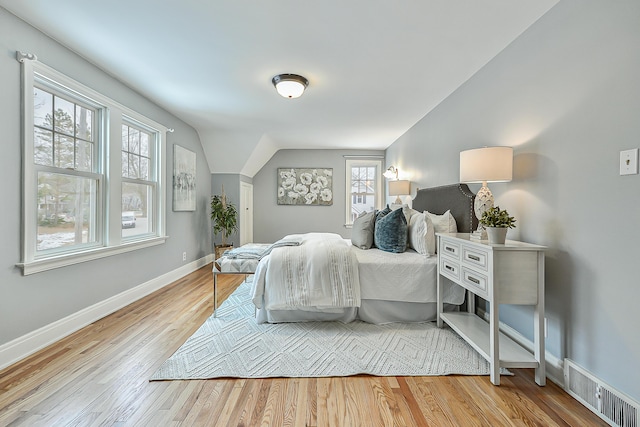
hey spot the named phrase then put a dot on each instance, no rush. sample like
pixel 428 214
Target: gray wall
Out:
pixel 28 303
pixel 566 96
pixel 272 221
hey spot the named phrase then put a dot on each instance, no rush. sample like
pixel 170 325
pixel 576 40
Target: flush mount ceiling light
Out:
pixel 290 85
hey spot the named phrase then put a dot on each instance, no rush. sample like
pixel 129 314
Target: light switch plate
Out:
pixel 629 162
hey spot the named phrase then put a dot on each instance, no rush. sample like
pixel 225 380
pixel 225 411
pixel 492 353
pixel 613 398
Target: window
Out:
pixel 138 187
pixel 66 172
pixel 77 205
pixel 364 185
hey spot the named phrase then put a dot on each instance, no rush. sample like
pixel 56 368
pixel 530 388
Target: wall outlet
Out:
pixel 629 162
pixel 184 256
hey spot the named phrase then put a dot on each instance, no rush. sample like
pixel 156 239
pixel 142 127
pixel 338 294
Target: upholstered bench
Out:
pixel 243 260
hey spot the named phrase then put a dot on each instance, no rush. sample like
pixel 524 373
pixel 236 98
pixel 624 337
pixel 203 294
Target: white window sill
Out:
pixel 40 265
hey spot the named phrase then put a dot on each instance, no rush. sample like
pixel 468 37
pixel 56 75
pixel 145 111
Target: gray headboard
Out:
pixel 456 197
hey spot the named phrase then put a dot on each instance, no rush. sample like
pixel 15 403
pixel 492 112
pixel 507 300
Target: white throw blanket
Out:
pixel 319 274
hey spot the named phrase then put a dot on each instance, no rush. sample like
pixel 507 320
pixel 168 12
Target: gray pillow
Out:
pixel 362 230
pixel 390 234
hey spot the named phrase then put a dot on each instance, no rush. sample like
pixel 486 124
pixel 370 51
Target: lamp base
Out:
pixel 483 202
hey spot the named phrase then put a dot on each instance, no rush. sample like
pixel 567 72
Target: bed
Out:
pixel 393 287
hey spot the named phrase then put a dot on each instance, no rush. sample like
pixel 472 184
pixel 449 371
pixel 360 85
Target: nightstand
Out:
pixel 510 273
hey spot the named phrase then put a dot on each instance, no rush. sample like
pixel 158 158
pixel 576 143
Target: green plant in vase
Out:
pixel 225 220
pixel 497 222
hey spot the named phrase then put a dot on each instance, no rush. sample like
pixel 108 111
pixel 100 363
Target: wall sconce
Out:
pixel 390 173
pixel 488 164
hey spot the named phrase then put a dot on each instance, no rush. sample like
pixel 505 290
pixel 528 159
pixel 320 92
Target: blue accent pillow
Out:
pixel 390 234
pixel 384 212
pixel 379 215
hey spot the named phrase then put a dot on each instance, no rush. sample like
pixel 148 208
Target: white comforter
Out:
pixel 321 274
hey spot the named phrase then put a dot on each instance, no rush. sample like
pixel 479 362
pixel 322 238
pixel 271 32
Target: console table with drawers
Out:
pixel 510 273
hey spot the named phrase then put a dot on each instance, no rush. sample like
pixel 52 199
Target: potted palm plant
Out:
pixel 225 220
pixel 496 222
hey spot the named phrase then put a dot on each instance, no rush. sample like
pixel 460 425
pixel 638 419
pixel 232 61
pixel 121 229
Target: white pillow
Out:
pixel 422 237
pixel 444 223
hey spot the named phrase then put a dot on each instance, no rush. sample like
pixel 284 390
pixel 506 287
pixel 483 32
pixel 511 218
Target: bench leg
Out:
pixel 215 293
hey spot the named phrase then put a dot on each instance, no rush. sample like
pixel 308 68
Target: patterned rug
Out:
pixel 233 345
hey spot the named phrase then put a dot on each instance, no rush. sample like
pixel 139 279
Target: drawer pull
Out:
pixel 449 248
pixel 448 267
pixel 473 257
pixel 474 280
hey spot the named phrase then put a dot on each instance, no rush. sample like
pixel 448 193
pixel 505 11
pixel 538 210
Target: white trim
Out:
pixel 52 262
pixel 29 204
pixel 28 344
pixel 554 366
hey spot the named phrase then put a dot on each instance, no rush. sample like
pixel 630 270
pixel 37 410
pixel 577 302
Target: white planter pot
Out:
pixel 497 235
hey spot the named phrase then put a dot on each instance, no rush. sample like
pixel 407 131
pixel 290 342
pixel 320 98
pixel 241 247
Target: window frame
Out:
pixel 378 196
pixel 152 173
pixel 96 173
pixel 107 170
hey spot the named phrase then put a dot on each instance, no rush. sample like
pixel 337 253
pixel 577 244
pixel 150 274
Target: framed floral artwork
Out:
pixel 305 186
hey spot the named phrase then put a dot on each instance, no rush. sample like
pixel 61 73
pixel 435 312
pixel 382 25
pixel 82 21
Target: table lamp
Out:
pixel 401 187
pixel 483 165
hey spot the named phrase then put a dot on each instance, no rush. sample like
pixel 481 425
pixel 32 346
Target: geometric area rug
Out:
pixel 234 345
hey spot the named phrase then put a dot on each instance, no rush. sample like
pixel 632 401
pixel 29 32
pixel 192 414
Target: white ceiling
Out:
pixel 375 67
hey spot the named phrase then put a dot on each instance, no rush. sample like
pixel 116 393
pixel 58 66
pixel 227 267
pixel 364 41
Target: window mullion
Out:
pixel 113 199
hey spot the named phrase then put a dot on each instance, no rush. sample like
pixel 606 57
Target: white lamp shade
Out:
pixel 488 164
pixel 401 187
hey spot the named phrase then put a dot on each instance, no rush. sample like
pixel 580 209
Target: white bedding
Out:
pixel 391 287
pixel 405 277
pixel 321 274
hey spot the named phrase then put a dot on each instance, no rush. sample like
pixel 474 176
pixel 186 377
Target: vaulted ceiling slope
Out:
pixel 375 67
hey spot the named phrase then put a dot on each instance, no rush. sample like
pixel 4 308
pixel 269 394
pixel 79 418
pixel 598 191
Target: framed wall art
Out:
pixel 305 186
pixel 184 179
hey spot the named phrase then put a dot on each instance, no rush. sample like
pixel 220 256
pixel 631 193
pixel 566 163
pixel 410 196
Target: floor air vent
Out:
pixel 605 401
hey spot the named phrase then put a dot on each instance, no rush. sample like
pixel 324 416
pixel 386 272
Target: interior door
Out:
pixel 246 213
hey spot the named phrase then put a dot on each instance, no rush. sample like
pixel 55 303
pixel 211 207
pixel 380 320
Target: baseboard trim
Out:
pixel 554 367
pixel 26 345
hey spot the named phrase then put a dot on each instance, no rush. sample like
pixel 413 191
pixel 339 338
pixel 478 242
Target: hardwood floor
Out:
pixel 99 377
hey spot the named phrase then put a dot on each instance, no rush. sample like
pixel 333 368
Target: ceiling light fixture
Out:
pixel 290 85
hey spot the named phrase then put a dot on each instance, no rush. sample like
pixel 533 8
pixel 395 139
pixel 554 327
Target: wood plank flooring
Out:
pixel 99 375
